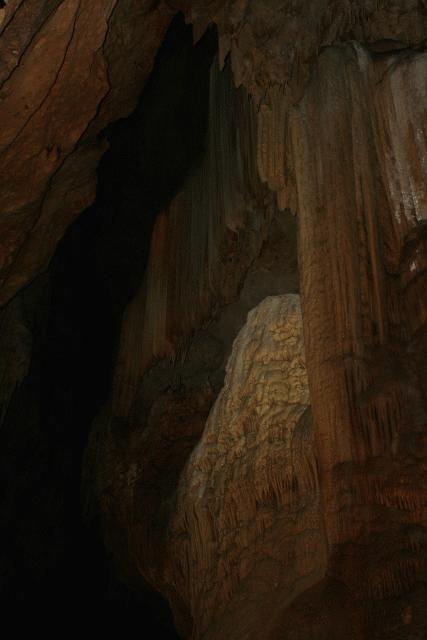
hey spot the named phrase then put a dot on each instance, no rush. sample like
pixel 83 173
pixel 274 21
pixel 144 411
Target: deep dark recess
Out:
pixel 51 562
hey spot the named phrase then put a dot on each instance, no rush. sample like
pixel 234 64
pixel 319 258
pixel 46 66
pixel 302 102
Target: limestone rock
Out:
pixel 232 538
pixel 247 535
pixel 203 244
pixel 70 67
pixel 63 79
pixel 362 208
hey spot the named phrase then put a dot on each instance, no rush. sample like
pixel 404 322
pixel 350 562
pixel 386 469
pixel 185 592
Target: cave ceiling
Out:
pixel 71 67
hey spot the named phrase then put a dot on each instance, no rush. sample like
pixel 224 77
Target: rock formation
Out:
pixel 365 314
pixel 247 533
pixel 62 81
pixel 265 489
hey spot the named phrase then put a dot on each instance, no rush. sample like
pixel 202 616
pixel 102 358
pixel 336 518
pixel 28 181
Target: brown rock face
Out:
pixel 362 205
pixel 70 67
pixel 356 166
pixel 285 498
pixel 62 80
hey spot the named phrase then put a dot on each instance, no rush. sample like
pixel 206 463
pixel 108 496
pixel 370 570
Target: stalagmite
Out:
pixel 251 480
pixel 267 476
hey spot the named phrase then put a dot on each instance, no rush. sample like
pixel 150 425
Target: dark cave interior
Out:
pixel 213 319
pixel 51 561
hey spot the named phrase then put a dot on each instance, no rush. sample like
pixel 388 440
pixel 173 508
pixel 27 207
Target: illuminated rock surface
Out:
pixel 256 508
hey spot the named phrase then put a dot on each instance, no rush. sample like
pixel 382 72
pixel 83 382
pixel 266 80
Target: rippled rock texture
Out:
pixel 70 67
pixel 285 498
pixel 247 534
pixel 356 177
pixel 236 535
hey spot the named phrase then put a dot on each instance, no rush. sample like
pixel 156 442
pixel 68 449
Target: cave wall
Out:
pixel 363 290
pixel 328 121
pixel 70 67
pixel 133 466
pixel 202 243
pixel 58 338
pixel 360 202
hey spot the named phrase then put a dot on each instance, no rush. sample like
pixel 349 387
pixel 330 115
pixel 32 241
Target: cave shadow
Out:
pixel 53 564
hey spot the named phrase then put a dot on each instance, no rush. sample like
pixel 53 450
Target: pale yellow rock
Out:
pixel 247 509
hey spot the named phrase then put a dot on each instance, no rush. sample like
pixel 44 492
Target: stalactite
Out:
pixel 219 216
pixel 359 228
pixel 272 152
